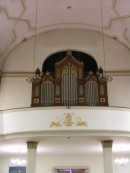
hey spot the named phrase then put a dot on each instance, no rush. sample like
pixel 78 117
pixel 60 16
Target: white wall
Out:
pixel 118 91
pixel 21 58
pixel 5 162
pixel 47 163
pixel 39 119
pixel 15 92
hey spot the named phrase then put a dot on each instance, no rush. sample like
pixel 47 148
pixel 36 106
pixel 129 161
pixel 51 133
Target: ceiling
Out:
pixel 22 19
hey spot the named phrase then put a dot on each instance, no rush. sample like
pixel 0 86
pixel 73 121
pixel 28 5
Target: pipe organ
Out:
pixel 69 86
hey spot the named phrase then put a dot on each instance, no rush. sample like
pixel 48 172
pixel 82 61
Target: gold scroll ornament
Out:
pixel 68 120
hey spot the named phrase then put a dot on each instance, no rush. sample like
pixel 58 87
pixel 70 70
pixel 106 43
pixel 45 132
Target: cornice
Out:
pixel 64 108
pixel 17 74
pixel 118 72
pixel 27 74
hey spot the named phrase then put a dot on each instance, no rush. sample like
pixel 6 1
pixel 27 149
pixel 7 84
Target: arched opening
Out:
pixel 90 63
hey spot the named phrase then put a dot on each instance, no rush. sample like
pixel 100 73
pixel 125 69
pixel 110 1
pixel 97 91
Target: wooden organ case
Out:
pixel 69 86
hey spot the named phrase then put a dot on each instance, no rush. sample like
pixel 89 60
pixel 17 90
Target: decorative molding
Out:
pixel 28 22
pixel 16 74
pixel 116 18
pixel 56 122
pixel 70 24
pixel 9 43
pixel 81 122
pixel 125 34
pixel 107 143
pixel 16 19
pixel 27 74
pixel 119 17
pixel 0 77
pixel 118 72
pixel 51 26
pixel 32 144
pixel 68 120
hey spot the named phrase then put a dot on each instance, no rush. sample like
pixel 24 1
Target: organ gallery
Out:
pixel 69 85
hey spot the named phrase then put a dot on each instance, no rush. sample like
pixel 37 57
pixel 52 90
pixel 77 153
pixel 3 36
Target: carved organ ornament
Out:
pixel 69 86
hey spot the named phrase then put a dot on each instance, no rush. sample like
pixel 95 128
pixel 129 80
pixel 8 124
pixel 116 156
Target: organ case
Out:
pixel 70 86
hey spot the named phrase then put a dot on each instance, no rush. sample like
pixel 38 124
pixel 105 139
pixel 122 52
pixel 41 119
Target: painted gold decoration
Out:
pixel 24 39
pixel 118 16
pixel 74 71
pixel 36 100
pixel 102 100
pixel 64 71
pixel 15 19
pixel 69 53
pixel 81 100
pixel 121 18
pixel 81 122
pixel 57 100
pixel 80 73
pixel 115 37
pixel 90 73
pixel 47 73
pixel 68 120
pixel 55 122
pixel 58 73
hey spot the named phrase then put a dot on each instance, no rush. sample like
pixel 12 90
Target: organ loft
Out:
pixel 69 85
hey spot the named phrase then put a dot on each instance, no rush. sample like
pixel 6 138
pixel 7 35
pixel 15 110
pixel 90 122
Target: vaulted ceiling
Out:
pixel 22 19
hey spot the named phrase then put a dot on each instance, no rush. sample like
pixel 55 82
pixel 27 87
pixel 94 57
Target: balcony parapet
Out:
pixel 97 120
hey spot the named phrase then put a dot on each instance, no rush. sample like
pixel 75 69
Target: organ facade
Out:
pixel 69 85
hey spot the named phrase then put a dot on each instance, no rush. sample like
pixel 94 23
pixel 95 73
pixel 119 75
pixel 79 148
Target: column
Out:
pixel 31 156
pixel 107 156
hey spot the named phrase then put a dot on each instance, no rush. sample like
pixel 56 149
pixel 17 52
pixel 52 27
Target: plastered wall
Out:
pixel 48 163
pixel 15 92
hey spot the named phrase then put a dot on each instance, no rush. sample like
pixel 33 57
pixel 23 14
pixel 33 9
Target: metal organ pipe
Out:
pixel 91 93
pixel 69 87
pixel 47 93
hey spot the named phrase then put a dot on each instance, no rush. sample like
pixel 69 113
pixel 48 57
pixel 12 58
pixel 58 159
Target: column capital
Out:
pixel 107 143
pixel 32 144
